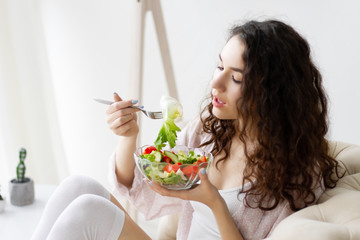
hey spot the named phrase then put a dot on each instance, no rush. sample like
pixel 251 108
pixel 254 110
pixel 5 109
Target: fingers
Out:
pixel 164 191
pixel 120 105
pixel 203 175
pixel 126 114
pixel 121 119
pixel 204 192
pixel 123 129
pixel 115 121
pixel 117 98
pixel 120 109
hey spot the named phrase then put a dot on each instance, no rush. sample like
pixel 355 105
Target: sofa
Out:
pixel 336 215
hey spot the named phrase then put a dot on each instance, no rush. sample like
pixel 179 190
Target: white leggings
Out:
pixel 80 208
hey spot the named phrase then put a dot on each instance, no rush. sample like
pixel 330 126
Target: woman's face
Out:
pixel 227 80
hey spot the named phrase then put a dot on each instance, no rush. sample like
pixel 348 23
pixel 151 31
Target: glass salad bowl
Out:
pixel 175 168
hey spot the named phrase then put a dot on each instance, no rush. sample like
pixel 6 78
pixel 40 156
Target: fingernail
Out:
pixel 146 181
pixel 134 101
pixel 141 106
pixel 115 93
pixel 203 171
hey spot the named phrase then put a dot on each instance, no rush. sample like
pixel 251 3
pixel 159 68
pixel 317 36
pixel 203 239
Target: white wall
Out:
pixel 87 44
pixel 28 114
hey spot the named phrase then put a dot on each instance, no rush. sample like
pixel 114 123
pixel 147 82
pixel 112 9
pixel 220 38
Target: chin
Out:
pixel 223 115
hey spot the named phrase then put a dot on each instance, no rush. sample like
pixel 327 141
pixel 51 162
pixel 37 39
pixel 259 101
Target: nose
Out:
pixel 218 81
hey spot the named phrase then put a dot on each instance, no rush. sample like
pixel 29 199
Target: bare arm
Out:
pixel 224 220
pixel 125 164
pixel 123 122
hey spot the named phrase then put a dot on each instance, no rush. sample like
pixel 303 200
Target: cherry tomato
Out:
pixel 166 159
pixel 190 171
pixel 202 159
pixel 148 150
pixel 172 167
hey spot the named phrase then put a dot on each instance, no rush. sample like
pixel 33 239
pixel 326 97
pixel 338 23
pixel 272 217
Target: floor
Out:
pixel 19 222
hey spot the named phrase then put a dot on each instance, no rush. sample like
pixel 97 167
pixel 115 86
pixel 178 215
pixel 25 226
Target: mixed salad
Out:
pixel 170 168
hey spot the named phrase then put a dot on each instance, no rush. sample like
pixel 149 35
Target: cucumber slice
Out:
pixel 158 156
pixel 181 155
pixel 149 157
pixel 172 156
pixel 154 156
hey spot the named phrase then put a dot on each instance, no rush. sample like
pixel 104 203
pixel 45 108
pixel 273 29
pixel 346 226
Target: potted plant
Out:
pixel 21 188
pixel 2 202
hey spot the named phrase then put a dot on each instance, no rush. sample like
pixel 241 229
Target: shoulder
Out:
pixel 192 135
pixel 193 125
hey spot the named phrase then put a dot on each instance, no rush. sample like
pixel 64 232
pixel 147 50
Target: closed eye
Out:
pixel 236 81
pixel 232 77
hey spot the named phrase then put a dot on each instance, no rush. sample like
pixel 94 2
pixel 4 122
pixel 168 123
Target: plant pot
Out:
pixel 2 205
pixel 22 193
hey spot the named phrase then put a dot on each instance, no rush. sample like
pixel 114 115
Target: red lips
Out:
pixel 216 102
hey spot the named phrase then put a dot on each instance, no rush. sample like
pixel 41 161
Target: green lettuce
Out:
pixel 173 179
pixel 171 110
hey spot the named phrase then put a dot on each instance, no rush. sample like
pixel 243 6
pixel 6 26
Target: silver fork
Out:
pixel 152 115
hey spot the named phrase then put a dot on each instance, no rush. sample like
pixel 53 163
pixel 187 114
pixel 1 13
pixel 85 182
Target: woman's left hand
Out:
pixel 204 192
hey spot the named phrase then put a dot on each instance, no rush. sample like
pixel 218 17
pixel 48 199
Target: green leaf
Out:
pixel 167 133
pixel 173 179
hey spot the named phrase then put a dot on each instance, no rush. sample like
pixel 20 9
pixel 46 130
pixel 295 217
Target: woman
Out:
pixel 265 126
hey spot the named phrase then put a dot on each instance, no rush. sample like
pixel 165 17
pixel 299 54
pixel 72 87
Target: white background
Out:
pixel 56 56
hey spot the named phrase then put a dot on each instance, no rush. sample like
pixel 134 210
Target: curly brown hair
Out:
pixel 284 102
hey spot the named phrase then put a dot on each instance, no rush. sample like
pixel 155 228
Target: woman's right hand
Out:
pixel 121 119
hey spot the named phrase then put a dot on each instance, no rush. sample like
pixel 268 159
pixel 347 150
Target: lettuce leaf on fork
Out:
pixel 171 110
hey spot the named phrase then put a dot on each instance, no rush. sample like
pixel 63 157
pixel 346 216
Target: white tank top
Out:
pixel 203 225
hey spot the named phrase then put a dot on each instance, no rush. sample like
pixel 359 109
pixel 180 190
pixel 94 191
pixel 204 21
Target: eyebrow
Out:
pixel 233 68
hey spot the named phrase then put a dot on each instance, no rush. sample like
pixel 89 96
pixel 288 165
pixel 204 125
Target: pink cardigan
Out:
pixel 252 223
